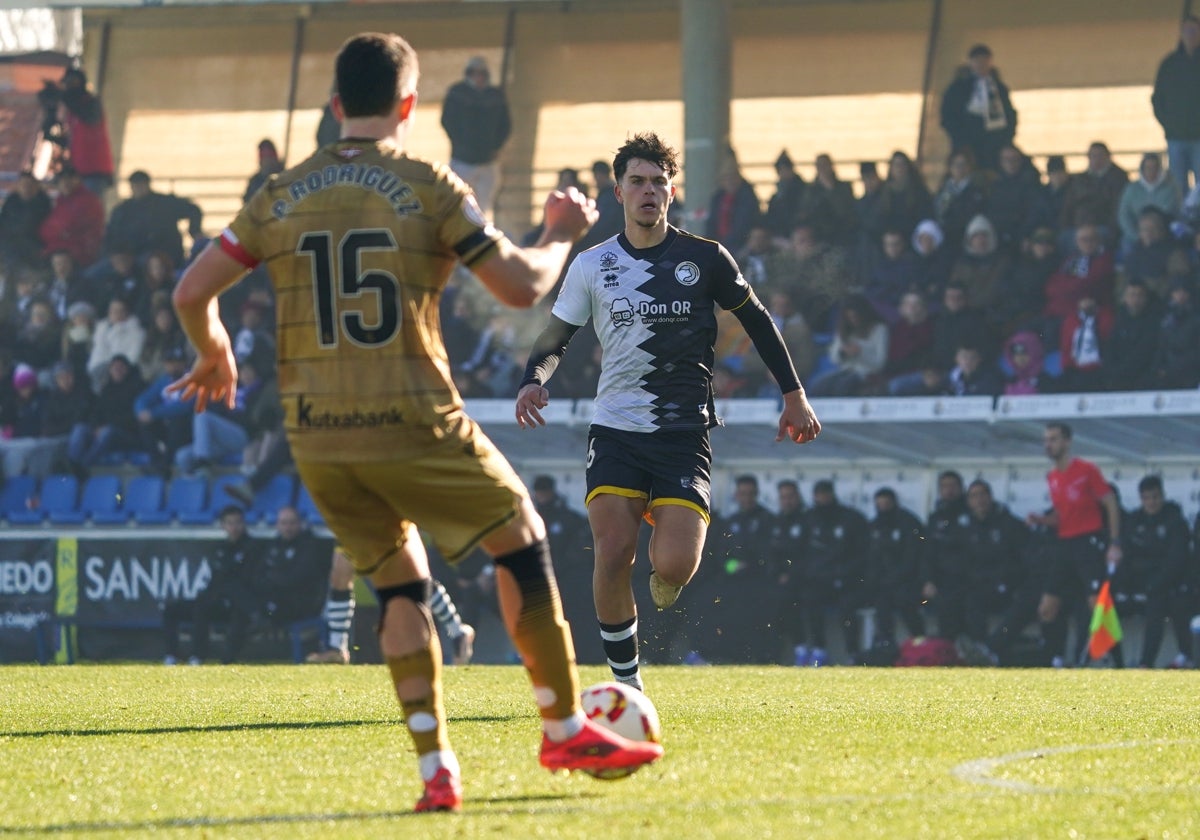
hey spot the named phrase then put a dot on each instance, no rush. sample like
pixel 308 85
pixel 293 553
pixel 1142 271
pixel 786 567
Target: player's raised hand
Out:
pixel 797 422
pixel 530 400
pixel 569 215
pixel 213 378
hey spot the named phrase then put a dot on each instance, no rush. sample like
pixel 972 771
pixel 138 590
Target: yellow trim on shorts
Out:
pixel 613 490
pixel 682 503
pixel 625 492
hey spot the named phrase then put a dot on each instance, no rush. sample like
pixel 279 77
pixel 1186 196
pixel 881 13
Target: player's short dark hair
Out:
pixel 373 72
pixel 886 493
pixel 650 148
pixel 1062 428
pixel 747 478
pixel 545 484
pixel 230 510
pixel 788 482
pixel 1149 483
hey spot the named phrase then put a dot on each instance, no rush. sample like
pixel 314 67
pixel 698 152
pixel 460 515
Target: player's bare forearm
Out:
pixel 214 374
pixel 195 298
pixel 798 422
pixel 520 277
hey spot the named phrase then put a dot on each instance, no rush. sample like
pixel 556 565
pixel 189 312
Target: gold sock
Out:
pixel 424 712
pixel 543 639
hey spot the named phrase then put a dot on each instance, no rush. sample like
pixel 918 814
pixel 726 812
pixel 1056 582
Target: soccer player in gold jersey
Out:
pixel 359 240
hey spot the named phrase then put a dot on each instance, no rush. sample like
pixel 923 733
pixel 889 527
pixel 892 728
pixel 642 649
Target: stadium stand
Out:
pixel 17 493
pixel 101 501
pixel 187 500
pixel 144 500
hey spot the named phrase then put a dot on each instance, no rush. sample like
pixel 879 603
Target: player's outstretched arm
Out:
pixel 797 422
pixel 213 376
pixel 520 277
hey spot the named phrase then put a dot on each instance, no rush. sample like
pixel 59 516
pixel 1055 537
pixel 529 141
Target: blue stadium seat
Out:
pixel 101 501
pixel 14 499
pixel 279 491
pixel 187 500
pixel 144 500
pixel 307 508
pixel 60 500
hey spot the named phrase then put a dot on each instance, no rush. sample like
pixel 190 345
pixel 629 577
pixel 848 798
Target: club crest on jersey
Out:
pixel 622 312
pixel 608 260
pixel 349 154
pixel 687 273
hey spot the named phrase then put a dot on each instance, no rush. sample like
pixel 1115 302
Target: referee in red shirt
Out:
pixel 1088 520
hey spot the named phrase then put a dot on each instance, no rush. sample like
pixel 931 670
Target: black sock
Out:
pixel 621 647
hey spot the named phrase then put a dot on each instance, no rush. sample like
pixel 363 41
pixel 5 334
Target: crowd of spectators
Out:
pixel 1001 279
pixel 89 339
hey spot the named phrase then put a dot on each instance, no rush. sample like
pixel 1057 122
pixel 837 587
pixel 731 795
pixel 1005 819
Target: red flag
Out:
pixel 1106 629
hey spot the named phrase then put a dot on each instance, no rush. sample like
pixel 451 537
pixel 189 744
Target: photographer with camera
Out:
pixel 74 118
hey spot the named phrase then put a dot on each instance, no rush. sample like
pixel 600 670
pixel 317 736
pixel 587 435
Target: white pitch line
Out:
pixel 980 770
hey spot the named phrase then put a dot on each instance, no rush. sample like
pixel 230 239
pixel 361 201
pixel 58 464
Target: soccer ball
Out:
pixel 623 710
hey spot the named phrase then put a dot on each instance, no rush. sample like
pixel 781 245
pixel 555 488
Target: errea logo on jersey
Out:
pixel 687 273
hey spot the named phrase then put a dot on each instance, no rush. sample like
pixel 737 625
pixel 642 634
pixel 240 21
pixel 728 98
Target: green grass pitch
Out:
pixel 285 751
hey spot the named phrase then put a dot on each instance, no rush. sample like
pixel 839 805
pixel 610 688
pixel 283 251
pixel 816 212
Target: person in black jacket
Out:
pixel 229 596
pixel 835 549
pixel 976 111
pixel 945 528
pixel 1008 644
pixel 22 213
pixel 112 424
pixel 148 221
pixel 1157 563
pixel 738 582
pixel 1133 342
pixel 476 118
pixel 1175 104
pixel 293 574
pixel 893 567
pixel 994 541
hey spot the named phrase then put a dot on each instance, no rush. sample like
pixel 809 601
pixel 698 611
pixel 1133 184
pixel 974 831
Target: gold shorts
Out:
pixel 458 492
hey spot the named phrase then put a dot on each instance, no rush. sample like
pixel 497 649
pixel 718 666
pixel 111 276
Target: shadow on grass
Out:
pixel 472 808
pixel 235 727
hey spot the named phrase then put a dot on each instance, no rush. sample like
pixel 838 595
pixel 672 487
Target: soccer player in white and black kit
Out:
pixel 651 293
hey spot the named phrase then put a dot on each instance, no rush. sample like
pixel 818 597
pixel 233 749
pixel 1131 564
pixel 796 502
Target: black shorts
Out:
pixel 664 468
pixel 1080 565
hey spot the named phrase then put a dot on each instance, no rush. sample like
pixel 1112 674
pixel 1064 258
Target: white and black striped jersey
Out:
pixel 654 313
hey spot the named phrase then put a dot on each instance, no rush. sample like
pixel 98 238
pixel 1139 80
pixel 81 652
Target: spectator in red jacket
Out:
pixel 1087 270
pixel 82 114
pixel 76 223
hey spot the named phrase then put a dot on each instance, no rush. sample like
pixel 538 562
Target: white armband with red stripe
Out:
pixel 230 245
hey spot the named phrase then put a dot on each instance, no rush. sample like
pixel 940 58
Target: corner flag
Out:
pixel 1106 629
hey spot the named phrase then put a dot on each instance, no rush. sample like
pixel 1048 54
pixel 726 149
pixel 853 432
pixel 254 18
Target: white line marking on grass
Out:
pixel 980 770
